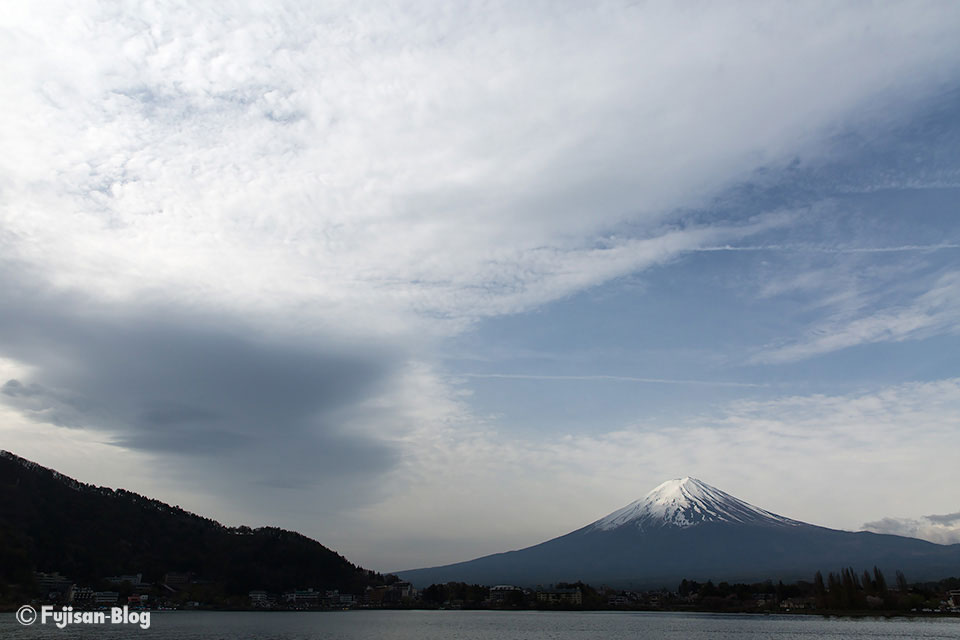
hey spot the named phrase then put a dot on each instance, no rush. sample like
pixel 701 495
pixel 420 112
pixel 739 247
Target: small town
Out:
pixel 844 593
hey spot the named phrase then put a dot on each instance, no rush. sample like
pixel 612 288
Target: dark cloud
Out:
pixel 948 519
pixel 16 389
pixel 273 409
pixel 43 404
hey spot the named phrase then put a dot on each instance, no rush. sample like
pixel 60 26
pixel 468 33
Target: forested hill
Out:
pixel 49 522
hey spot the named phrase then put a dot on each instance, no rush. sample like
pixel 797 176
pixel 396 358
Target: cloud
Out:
pixel 233 239
pixel 935 311
pixel 611 378
pixel 16 389
pixel 402 162
pixel 269 409
pixel 827 249
pixel 831 460
pixel 950 518
pixel 42 404
pixel 940 529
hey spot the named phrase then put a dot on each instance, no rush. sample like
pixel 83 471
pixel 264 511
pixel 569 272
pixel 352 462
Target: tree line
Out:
pixel 845 590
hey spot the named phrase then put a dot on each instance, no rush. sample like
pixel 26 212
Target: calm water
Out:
pixel 493 625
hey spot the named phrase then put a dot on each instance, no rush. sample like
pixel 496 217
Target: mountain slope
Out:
pixel 687 529
pixel 49 522
pixel 686 502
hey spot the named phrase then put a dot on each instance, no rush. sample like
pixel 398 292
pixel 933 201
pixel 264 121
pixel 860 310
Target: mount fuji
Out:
pixel 686 528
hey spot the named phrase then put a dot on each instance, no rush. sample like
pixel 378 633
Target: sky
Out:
pixel 427 281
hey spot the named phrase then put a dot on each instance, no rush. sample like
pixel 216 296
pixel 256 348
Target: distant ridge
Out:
pixel 51 522
pixel 685 528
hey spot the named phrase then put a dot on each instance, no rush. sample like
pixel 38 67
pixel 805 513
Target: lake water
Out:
pixel 492 625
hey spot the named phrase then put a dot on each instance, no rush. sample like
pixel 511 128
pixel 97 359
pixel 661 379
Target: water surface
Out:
pixel 493 625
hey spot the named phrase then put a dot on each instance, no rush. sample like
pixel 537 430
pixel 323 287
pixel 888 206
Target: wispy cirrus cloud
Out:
pixel 834 249
pixel 364 160
pixel 610 378
pixel 933 312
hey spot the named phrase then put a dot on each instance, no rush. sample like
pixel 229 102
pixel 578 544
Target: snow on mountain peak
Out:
pixel 686 502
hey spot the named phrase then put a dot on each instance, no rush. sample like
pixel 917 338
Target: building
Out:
pixel 405 590
pixel 82 595
pixel 764 600
pixel 303 597
pixel 53 586
pixel 258 598
pixel 560 596
pixel 105 597
pixel 176 581
pixel 791 604
pixel 336 600
pixel 618 600
pixel 375 596
pixel 505 594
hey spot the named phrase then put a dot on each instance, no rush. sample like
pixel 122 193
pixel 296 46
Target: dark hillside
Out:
pixel 49 522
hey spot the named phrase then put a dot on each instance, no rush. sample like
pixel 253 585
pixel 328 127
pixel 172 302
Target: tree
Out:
pixel 880 581
pixel 868 585
pixel 902 586
pixel 819 590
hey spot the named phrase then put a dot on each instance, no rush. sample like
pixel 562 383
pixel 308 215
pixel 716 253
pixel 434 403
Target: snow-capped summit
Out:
pixel 687 529
pixel 687 502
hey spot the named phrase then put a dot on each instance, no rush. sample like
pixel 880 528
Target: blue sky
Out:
pixel 428 284
pixel 863 238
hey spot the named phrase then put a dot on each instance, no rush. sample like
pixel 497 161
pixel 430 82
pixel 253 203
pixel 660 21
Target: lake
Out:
pixel 491 625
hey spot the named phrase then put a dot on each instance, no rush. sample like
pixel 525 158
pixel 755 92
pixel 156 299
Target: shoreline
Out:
pixel 822 614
